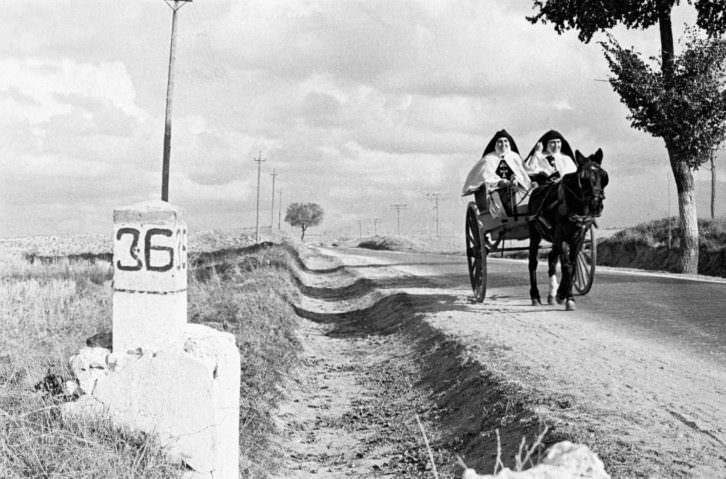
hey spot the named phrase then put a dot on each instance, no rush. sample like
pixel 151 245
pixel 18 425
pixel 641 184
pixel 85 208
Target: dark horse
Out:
pixel 564 212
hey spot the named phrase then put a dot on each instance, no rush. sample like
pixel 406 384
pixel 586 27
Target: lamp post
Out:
pixel 175 5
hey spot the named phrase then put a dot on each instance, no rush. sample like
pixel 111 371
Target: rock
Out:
pixel 88 366
pixel 187 395
pixel 564 460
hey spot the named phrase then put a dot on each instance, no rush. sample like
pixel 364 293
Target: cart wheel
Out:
pixel 476 255
pixel 585 264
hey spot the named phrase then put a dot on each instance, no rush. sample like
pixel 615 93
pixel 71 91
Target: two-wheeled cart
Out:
pixel 487 235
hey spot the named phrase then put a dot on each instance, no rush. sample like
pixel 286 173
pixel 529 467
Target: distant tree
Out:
pixel 304 215
pixel 681 99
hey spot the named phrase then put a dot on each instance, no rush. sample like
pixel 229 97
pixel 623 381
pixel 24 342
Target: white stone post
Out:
pixel 150 276
pixel 177 381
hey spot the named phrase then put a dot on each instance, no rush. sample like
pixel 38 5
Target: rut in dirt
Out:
pixel 367 373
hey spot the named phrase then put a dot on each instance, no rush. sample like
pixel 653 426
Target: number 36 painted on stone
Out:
pixel 136 261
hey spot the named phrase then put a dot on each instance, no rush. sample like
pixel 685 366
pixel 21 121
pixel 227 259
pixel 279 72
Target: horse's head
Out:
pixel 586 187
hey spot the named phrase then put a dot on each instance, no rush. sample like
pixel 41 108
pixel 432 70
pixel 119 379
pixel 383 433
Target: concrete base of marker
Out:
pixel 149 320
pixel 186 394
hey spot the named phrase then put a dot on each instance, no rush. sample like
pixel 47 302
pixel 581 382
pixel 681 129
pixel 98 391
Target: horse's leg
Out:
pixel 534 240
pixel 575 248
pixel 566 268
pixel 552 273
pixel 567 261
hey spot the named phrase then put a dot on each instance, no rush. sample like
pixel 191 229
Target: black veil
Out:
pixel 492 143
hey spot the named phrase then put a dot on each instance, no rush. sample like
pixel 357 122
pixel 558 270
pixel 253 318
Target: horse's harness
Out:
pixel 581 221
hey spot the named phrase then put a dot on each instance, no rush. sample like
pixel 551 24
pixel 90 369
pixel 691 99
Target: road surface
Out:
pixel 638 372
pixel 688 314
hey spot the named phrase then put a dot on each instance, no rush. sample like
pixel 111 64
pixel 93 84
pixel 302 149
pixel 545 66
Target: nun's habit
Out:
pixel 493 167
pixel 548 163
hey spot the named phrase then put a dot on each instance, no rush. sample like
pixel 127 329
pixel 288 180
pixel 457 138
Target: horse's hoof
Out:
pixel 551 300
pixel 536 302
pixel 570 305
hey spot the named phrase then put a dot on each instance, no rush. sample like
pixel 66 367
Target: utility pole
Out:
pixel 375 223
pixel 175 6
pixel 360 229
pixel 259 161
pixel 398 208
pixel 435 197
pixel 272 208
pixel 279 212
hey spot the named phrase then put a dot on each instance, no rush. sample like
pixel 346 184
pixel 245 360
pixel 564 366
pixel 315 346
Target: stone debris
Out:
pixel 187 395
pixel 88 366
pixel 564 460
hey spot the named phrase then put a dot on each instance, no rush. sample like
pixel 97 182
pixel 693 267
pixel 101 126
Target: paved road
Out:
pixel 687 314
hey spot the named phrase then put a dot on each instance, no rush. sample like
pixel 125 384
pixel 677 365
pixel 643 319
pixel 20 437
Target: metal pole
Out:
pixel 259 161
pixel 169 93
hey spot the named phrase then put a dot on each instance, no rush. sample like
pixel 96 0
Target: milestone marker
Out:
pixel 150 276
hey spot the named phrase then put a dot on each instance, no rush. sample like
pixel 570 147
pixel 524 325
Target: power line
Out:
pixel 259 162
pixel 169 90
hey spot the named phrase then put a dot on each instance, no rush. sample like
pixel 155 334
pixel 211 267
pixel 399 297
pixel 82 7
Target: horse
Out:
pixel 562 213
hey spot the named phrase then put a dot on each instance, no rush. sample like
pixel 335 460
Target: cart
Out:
pixel 487 235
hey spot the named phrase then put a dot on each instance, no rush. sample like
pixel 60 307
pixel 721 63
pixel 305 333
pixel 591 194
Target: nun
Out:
pixel 551 158
pixel 502 174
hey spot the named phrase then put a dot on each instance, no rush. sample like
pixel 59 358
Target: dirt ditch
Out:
pixel 371 366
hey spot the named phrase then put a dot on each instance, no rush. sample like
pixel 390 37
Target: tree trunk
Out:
pixel 667 50
pixel 713 187
pixel 302 236
pixel 687 211
pixel 681 172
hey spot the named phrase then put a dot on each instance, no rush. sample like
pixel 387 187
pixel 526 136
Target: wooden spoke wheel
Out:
pixel 585 264
pixel 476 254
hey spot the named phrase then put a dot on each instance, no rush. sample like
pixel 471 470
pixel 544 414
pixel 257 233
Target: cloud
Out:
pixel 356 105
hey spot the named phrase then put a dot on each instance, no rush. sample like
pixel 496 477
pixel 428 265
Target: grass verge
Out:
pixel 47 312
pixel 655 245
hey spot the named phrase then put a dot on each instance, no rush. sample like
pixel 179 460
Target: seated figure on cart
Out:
pixel 501 174
pixel 550 159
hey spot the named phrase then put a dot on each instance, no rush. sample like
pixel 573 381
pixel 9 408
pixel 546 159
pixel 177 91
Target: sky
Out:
pixel 356 105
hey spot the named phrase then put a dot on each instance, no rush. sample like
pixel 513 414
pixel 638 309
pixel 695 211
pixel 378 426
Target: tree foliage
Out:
pixel 690 116
pixel 304 215
pixel 589 16
pixel 680 98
